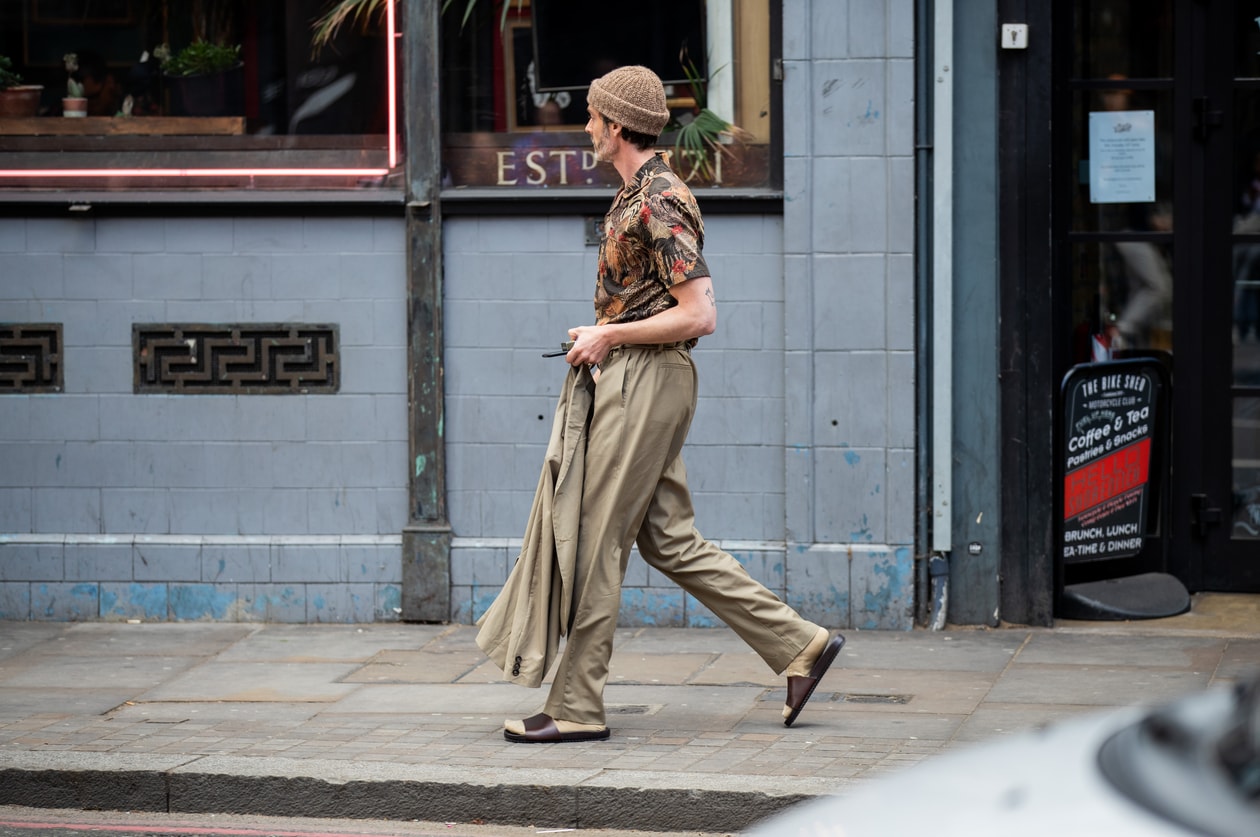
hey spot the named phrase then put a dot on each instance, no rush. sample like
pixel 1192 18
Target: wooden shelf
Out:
pixel 63 126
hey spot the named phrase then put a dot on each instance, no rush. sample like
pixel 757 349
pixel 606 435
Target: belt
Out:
pixel 652 347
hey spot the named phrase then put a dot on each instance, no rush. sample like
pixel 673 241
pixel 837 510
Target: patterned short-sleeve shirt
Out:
pixel 653 240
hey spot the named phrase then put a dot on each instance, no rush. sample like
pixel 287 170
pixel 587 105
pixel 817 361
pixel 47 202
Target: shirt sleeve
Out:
pixel 677 237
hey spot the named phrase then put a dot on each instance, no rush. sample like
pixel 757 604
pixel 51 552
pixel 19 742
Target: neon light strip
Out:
pixel 33 173
pixel 392 63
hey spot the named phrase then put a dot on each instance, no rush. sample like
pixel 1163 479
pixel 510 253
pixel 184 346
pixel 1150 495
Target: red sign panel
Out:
pixel 1098 482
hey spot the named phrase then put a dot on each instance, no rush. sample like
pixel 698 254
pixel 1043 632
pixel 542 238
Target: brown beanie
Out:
pixel 633 97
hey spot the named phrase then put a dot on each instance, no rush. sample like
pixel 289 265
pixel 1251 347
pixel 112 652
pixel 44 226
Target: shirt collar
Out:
pixel 653 165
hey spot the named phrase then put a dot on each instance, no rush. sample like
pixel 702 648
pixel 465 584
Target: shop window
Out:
pixel 514 86
pixel 279 113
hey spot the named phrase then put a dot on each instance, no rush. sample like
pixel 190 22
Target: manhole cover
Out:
pixel 629 710
pixel 780 695
pixel 841 697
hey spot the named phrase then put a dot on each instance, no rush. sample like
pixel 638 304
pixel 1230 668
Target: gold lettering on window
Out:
pixel 504 165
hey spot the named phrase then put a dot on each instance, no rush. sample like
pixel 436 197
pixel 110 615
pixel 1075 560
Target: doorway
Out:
pixel 1157 250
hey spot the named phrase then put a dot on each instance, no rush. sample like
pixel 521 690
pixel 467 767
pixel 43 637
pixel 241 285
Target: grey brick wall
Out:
pixel 283 507
pixel 849 258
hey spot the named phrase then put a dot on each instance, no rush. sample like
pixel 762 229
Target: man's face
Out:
pixel 602 138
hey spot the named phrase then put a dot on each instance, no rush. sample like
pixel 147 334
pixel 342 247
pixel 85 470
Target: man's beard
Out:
pixel 602 152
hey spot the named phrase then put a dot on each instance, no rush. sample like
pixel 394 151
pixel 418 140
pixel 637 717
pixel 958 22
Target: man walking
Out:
pixel 653 299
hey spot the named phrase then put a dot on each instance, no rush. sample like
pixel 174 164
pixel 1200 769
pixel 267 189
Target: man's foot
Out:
pixel 542 728
pixel 804 672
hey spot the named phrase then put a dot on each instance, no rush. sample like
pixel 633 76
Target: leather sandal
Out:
pixel 800 689
pixel 541 729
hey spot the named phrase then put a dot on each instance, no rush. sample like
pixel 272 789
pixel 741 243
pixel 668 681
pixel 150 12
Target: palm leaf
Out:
pixel 327 26
pixel 698 141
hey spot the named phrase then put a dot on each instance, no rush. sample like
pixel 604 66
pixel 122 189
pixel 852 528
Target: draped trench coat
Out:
pixel 521 631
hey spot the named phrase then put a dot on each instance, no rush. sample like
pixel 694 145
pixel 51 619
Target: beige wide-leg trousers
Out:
pixel 636 490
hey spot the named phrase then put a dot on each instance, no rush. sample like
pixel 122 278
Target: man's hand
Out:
pixel 591 344
pixel 695 315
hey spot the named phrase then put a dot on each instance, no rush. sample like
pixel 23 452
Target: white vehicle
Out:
pixel 1192 767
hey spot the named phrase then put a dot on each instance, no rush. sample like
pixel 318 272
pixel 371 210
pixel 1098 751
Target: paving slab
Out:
pixel 677 641
pixel 173 639
pixel 982 651
pixel 916 691
pixel 327 643
pixel 741 669
pixel 17 704
pixel 632 667
pixel 997 720
pixel 429 699
pixel 179 712
pixel 444 638
pixel 253 682
pixel 416 667
pixel 1075 685
pixel 1174 652
pixel 135 673
pixel 1241 659
pixel 940 728
pixel 16 637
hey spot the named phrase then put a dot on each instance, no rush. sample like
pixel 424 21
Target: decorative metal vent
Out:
pixel 270 358
pixel 30 357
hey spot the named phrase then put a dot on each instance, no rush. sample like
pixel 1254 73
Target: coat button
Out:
pixel 518 660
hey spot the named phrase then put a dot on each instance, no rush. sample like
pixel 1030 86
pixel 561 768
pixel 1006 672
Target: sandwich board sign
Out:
pixel 1109 439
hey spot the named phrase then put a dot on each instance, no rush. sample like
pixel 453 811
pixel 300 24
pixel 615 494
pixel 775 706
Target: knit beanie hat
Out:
pixel 633 97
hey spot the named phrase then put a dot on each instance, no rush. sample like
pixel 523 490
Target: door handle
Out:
pixel 1203 513
pixel 1206 119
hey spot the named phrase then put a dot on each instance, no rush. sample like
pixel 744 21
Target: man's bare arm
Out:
pixel 695 315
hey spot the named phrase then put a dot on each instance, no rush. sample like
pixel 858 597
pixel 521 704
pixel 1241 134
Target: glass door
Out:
pixel 1158 250
pixel 1228 123
pixel 1124 228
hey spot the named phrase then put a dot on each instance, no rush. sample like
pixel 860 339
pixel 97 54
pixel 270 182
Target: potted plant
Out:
pixel 74 103
pixel 17 99
pixel 206 79
pixel 702 138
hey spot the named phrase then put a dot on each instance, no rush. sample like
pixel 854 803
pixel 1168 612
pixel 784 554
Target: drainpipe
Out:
pixel 942 288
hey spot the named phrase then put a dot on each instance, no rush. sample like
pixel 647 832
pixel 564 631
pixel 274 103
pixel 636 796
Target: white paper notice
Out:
pixel 1122 156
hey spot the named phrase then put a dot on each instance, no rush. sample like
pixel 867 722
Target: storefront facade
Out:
pixel 908 249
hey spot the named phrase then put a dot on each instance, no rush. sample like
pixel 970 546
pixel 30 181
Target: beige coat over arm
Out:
pixel 521 631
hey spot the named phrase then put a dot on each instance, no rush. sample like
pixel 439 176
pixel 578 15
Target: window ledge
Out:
pixel 120 197
pixel 526 201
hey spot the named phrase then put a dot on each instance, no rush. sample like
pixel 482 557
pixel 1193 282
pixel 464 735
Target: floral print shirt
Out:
pixel 653 236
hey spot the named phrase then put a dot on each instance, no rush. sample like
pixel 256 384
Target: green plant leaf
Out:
pixel 202 57
pixel 8 78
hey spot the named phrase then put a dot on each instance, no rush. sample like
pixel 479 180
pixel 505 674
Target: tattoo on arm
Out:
pixel 712 298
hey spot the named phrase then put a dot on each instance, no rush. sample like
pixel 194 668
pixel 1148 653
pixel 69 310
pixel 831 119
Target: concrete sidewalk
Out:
pixel 404 721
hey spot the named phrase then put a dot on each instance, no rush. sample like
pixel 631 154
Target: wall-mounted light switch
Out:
pixel 1014 36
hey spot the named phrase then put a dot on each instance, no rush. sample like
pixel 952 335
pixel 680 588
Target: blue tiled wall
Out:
pixel 115 505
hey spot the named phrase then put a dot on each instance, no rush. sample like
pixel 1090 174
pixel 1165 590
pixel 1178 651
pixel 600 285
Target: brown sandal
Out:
pixel 800 689
pixel 541 729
